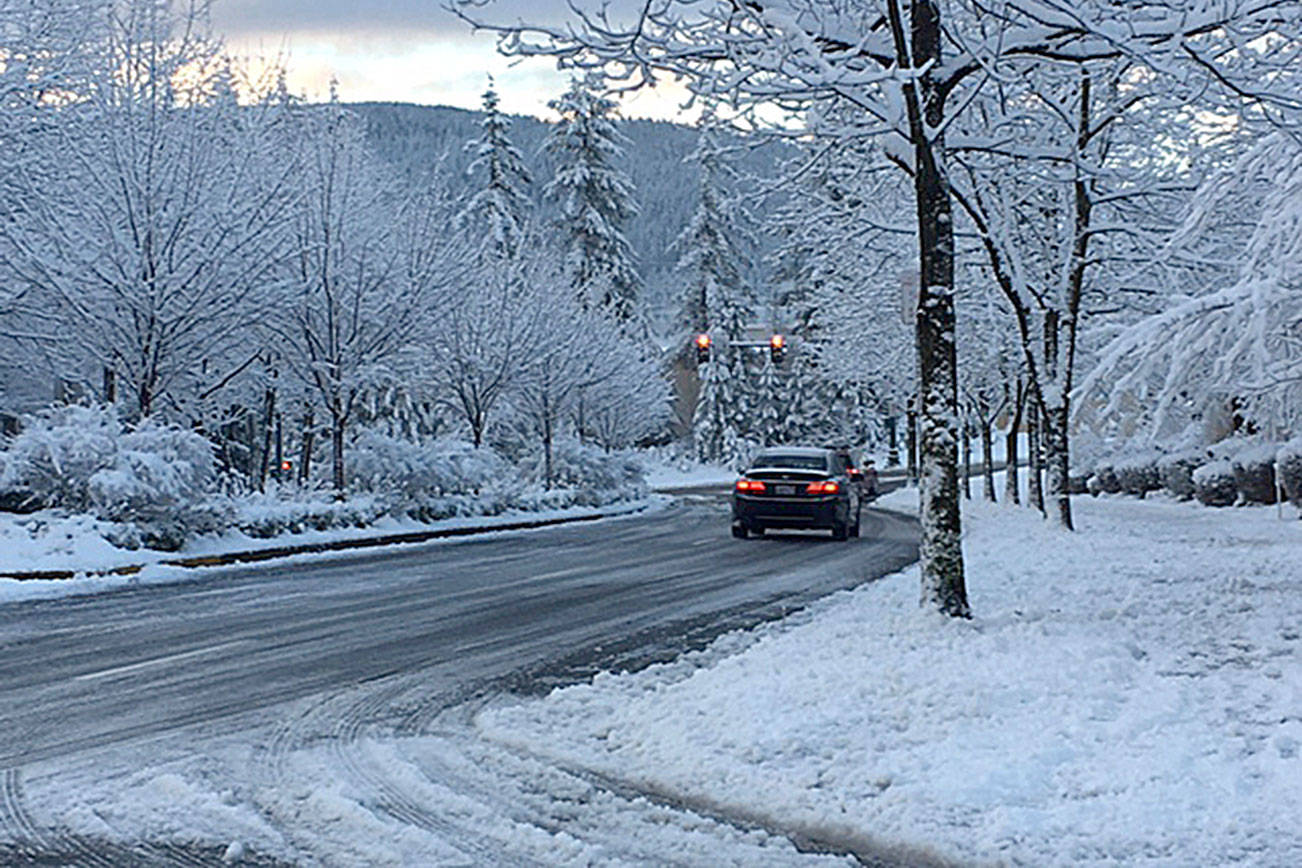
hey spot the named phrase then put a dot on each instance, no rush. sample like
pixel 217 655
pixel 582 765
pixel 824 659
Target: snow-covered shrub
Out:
pixel 157 473
pixel 267 515
pixel 154 481
pixel 414 471
pixel 1289 457
pixel 1078 482
pixel 1214 483
pixel 58 452
pixel 1177 469
pixel 16 498
pixel 1105 478
pixel 160 485
pixel 1138 474
pixel 1254 473
pixel 595 476
pixel 1229 447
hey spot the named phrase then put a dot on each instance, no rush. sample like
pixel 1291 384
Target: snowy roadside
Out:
pixel 661 476
pixel 1128 694
pixel 43 542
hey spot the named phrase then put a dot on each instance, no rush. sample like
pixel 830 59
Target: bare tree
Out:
pixel 157 243
pixel 368 271
pixel 910 75
pixel 487 338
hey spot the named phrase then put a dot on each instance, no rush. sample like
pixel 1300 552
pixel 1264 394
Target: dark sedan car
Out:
pixel 797 487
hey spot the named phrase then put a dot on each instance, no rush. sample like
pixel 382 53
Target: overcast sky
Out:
pixel 401 51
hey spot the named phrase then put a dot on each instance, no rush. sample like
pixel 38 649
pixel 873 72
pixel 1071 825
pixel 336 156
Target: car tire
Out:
pixel 840 532
pixel 739 530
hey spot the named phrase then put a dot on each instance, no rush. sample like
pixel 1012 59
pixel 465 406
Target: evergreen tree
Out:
pixel 711 246
pixel 723 408
pixel 595 199
pixel 769 395
pixel 717 300
pixel 497 211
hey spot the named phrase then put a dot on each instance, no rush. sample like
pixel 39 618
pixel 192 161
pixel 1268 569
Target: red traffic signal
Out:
pixel 777 348
pixel 702 348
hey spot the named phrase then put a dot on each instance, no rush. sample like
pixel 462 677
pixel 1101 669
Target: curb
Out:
pixel 256 555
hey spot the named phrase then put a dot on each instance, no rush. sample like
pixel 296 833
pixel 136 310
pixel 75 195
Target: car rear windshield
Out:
pixel 798 462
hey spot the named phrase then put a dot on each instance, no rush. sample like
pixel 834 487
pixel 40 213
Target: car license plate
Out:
pixel 784 489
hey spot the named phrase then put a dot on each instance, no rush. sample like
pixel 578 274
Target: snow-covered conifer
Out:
pixel 711 248
pixel 594 198
pixel 499 209
pixel 716 300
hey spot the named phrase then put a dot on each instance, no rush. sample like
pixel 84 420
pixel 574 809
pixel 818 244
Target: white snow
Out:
pixel 306 796
pixel 686 474
pixel 46 541
pixel 1130 694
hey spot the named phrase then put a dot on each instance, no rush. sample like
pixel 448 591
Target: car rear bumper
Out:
pixel 790 512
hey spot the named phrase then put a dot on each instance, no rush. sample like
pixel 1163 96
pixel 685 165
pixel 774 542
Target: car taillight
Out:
pixel 829 487
pixel 750 485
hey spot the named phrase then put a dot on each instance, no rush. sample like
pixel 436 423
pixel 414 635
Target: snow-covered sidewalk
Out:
pixel 1131 693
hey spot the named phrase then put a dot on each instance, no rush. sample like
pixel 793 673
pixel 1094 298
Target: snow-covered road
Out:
pixel 319 712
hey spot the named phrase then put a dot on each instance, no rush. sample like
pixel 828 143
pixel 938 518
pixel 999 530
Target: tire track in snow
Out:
pixel 347 745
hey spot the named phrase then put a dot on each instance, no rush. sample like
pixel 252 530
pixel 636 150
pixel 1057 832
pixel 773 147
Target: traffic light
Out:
pixel 702 348
pixel 777 348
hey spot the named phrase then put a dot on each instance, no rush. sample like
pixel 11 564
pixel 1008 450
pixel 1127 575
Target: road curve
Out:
pixel 92 671
pixel 283 659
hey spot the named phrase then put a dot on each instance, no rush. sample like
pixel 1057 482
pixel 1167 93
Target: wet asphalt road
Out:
pixel 513 611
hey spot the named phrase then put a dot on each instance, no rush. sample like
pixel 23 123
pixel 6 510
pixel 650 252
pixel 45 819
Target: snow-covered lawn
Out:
pixel 1130 694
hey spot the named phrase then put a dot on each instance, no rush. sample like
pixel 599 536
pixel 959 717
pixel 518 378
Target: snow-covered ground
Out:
pixel 46 541
pixel 663 475
pixel 1129 694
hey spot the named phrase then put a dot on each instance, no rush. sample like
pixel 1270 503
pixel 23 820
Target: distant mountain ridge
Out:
pixel 416 138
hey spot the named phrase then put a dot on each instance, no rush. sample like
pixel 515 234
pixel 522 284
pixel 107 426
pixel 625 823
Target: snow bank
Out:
pixel 1128 694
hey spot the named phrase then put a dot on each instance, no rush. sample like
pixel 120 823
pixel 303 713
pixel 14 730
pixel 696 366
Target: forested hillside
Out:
pixel 417 137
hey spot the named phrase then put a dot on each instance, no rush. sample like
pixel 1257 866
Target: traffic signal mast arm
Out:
pixel 777 347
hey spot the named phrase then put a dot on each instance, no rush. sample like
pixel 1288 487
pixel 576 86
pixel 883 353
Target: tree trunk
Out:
pixel 145 394
pixel 988 450
pixel 893 446
pixel 941 549
pixel 1012 493
pixel 1058 462
pixel 337 424
pixel 309 438
pixel 280 449
pixel 1034 491
pixel 547 451
pixel 268 418
pixel 967 461
pixel 110 386
pixel 911 443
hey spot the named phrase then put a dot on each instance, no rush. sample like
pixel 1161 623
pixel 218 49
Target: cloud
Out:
pixel 405 51
pixel 239 18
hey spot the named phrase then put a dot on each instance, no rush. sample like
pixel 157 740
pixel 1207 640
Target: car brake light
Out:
pixel 750 485
pixel 829 487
